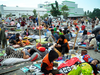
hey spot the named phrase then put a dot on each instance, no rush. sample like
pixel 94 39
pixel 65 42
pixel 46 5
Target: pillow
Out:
pixel 38 45
pixel 35 56
pixel 42 49
pixel 11 61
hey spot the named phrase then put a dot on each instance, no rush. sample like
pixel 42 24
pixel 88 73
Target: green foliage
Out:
pixel 41 17
pixel 85 13
pixel 64 8
pixel 55 10
pixel 0 14
pixel 24 16
pixel 64 13
pixel 56 5
pixel 9 15
pixel 45 15
pixel 96 12
pixel 34 11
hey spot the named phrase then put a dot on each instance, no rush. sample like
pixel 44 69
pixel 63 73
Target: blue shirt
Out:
pixel 12 37
pixel 98 38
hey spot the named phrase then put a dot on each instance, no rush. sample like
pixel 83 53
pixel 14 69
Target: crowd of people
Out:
pixel 56 32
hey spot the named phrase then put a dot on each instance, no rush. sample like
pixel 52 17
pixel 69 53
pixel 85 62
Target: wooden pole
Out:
pixel 75 38
pixel 39 27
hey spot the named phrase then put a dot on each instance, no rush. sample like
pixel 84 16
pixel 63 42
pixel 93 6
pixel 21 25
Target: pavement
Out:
pixel 92 53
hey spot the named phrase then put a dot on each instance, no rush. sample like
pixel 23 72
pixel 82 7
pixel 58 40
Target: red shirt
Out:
pixel 83 27
pixel 23 23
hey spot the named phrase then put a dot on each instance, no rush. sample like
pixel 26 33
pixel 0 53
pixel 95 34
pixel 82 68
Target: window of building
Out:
pixel 41 6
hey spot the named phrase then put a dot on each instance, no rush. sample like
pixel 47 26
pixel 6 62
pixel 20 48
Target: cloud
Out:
pixel 3 0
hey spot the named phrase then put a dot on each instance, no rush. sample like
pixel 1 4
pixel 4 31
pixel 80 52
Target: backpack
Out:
pixel 87 58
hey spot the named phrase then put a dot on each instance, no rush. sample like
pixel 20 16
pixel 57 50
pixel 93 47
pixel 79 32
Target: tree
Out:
pixel 65 14
pixel 45 15
pixel 9 15
pixel 41 17
pixel 34 11
pixel 0 14
pixel 88 12
pixel 24 16
pixel 85 13
pixel 55 10
pixel 64 9
pixel 96 12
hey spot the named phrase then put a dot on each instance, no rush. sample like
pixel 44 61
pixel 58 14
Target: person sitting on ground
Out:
pixel 12 23
pixel 26 32
pixel 18 25
pixel 91 43
pixel 56 28
pixel 47 65
pixel 84 36
pixel 15 39
pixel 83 27
pixel 56 35
pixel 51 37
pixel 61 32
pixel 66 35
pixel 98 37
pixel 62 45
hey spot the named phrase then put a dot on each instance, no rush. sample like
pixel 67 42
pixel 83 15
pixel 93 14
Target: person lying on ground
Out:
pixel 25 53
pixel 93 64
pixel 62 45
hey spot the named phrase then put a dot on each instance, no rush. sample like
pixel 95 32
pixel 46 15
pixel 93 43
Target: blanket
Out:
pixel 11 61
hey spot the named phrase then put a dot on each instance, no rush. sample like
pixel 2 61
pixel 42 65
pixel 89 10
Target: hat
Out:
pixel 92 35
pixel 58 31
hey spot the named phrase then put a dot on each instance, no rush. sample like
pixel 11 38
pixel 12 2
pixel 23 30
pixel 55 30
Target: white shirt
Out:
pixel 18 25
pixel 93 42
pixel 96 21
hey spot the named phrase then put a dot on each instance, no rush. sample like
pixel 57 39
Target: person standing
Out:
pixel 23 24
pixel 96 21
pixel 93 23
pixel 83 27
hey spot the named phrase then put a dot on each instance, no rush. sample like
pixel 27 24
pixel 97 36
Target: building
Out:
pixel 42 9
pixel 74 11
pixel 19 11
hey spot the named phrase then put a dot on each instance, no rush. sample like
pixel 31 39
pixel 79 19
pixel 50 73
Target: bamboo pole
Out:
pixel 75 38
pixel 39 27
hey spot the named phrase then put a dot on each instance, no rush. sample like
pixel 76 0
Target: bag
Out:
pixel 86 57
pixel 83 69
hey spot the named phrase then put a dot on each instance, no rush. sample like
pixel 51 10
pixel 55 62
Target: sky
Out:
pixel 85 4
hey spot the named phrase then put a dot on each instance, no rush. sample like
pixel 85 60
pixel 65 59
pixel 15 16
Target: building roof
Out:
pixel 24 9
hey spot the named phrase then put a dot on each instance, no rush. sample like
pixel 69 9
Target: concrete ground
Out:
pixel 92 53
